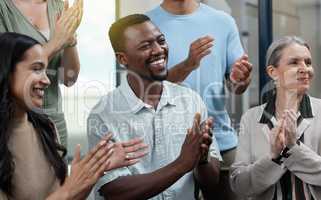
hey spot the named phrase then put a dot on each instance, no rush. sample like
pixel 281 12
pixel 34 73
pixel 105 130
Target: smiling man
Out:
pixel 165 115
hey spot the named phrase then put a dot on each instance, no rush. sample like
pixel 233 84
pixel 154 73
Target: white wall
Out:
pixel 128 7
pixel 310 30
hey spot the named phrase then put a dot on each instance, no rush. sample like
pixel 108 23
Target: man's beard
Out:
pixel 159 77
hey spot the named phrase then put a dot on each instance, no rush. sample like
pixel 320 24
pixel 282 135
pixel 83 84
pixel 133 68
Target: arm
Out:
pixel 238 66
pixel 207 172
pixel 145 186
pixel 85 172
pixel 249 177
pixel 71 64
pixel 305 164
pixel 302 161
pixel 198 49
pixel 240 77
pixel 207 175
pixel 64 39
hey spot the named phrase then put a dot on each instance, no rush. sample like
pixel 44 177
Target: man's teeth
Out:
pixel 39 91
pixel 157 62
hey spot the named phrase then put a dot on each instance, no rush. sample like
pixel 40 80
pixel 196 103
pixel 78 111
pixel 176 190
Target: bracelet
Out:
pixel 72 44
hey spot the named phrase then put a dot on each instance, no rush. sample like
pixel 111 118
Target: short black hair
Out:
pixel 117 29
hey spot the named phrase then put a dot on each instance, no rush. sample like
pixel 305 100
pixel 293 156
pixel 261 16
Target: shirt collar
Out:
pixel 268 114
pixel 136 104
pixel 168 97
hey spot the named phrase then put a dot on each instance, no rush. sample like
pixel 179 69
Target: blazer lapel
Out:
pixel 305 123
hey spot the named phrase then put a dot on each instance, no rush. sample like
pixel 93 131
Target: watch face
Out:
pixel 284 152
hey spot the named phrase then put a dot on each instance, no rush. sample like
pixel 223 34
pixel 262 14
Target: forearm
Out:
pixel 207 176
pixel 71 66
pixel 179 72
pixel 305 164
pixel 51 48
pixel 252 179
pixel 143 186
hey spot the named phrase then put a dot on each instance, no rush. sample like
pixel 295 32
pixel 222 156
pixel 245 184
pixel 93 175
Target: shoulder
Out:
pixel 107 103
pixel 219 15
pixel 154 12
pixel 253 114
pixel 179 90
pixel 185 95
pixel 316 105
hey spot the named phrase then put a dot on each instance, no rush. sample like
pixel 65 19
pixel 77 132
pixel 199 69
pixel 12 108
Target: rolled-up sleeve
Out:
pixel 96 129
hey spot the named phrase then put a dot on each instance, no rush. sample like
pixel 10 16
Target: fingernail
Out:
pixel 111 151
pixel 110 146
pixel 102 143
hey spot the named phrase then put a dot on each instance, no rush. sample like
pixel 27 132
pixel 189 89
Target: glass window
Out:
pixel 97 74
pixel 301 18
pixel 245 13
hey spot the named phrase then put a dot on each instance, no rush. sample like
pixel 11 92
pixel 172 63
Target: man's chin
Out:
pixel 160 77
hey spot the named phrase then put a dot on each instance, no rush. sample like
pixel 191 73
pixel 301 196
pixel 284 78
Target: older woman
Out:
pixel 280 142
pixel 53 24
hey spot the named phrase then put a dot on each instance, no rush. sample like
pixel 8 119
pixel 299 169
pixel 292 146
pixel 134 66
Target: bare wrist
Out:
pixel 181 166
pixel 188 67
pixel 52 47
pixel 72 42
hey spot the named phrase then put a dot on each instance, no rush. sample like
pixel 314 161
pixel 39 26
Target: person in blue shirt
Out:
pixel 190 28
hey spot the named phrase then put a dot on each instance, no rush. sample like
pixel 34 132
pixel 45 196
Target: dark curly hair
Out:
pixel 13 47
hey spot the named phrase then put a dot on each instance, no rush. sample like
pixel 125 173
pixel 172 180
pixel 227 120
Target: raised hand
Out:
pixel 277 139
pixel 241 70
pixel 127 153
pixel 206 131
pixel 191 150
pixel 290 128
pixel 198 50
pixel 67 24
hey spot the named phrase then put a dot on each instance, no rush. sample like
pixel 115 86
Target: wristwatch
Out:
pixel 284 154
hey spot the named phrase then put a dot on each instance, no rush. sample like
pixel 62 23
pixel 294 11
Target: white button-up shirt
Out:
pixel 163 130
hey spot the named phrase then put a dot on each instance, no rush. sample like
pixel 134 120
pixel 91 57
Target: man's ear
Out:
pixel 121 58
pixel 272 72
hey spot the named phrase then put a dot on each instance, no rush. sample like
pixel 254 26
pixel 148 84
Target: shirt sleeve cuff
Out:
pixel 109 177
